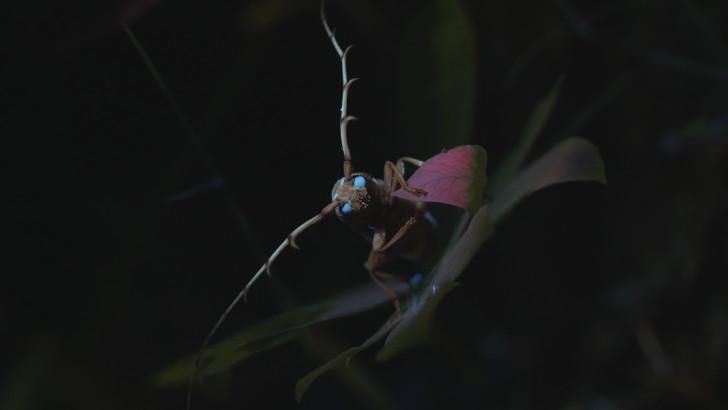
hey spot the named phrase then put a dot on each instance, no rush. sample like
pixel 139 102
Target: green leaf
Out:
pixel 456 259
pixel 305 382
pixel 536 122
pixel 271 333
pixel 223 355
pixel 414 327
pixel 574 159
pixel 437 79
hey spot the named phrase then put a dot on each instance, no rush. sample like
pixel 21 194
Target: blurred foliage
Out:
pixel 437 78
pixel 573 160
pixel 513 161
pixel 266 335
pixel 586 297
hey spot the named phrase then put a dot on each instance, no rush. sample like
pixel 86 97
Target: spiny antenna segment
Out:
pixel 289 241
pixel 346 83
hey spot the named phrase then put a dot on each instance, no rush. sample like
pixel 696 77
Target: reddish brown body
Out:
pixel 396 227
pixel 386 215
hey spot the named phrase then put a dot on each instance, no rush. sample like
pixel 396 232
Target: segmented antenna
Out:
pixel 243 294
pixel 291 238
pixel 346 83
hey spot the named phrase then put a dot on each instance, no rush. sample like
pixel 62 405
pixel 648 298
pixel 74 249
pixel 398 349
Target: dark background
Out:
pixel 587 296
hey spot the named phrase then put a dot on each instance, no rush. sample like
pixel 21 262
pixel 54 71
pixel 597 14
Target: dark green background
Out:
pixel 587 297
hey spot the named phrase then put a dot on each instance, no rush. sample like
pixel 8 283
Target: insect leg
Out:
pixel 393 179
pixel 376 259
pixel 400 163
pixel 400 233
pixel 346 83
pixel 376 277
pixel 404 228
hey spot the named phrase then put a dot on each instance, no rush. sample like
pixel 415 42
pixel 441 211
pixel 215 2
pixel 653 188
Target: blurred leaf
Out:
pixel 271 333
pixel 265 15
pixel 360 380
pixel 437 79
pixel 267 335
pixel 536 122
pixel 574 159
pixel 27 380
pixel 458 256
pixel 223 359
pixel 414 328
pixel 415 325
pixel 455 177
pixel 305 382
pixel 698 133
pixel 130 11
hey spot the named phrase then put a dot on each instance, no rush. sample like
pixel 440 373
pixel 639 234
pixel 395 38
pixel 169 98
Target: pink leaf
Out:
pixel 455 177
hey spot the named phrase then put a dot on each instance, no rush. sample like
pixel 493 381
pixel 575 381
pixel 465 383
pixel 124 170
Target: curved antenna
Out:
pixel 346 83
pixel 289 241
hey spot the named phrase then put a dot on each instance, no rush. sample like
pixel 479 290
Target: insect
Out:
pixel 396 227
pixel 366 203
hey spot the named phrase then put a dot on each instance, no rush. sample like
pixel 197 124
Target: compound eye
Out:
pixel 346 208
pixel 360 182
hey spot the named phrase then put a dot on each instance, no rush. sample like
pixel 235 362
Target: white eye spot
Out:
pixel 346 208
pixel 360 182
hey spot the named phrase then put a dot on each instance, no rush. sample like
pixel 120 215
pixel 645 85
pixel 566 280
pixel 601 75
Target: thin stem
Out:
pixel 212 168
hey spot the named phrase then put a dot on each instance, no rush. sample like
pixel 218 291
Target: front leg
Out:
pixel 377 258
pixel 400 233
pixel 414 161
pixel 393 179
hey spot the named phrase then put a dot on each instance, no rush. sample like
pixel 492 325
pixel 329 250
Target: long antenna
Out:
pixel 289 241
pixel 346 83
